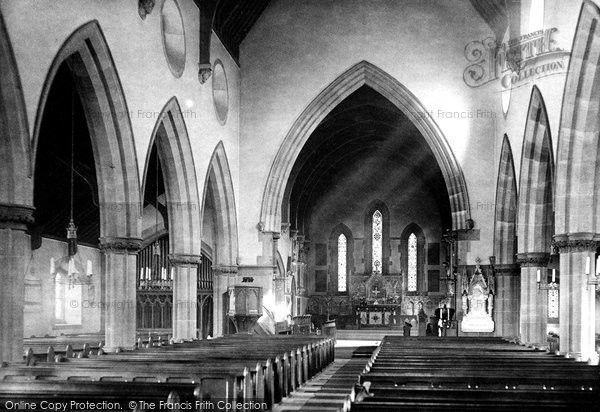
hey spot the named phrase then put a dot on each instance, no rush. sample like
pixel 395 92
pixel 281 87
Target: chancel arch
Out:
pixel 535 218
pixel 275 202
pixel 505 245
pixel 16 200
pixel 368 166
pixel 219 193
pixel 578 188
pixel 174 202
pixel 85 60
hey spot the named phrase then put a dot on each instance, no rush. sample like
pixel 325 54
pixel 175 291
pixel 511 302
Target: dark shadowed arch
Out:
pixel 363 73
pixel 98 85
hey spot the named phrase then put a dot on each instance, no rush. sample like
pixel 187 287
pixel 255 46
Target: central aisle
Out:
pixel 328 391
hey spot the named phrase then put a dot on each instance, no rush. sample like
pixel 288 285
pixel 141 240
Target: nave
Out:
pixel 308 373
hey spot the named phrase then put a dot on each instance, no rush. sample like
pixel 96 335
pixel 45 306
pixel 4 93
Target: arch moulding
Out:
pixel 361 74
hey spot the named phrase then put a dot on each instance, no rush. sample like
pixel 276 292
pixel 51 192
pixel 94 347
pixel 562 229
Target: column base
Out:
pixel 116 349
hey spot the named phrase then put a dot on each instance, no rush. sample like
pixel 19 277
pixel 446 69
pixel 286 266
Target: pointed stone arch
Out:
pixel 99 87
pixel 578 160
pixel 183 202
pixel 363 73
pixel 16 185
pixel 183 210
pixel 505 241
pixel 97 83
pixel 535 206
pixel 221 184
pixel 218 182
pixel 578 188
pixel 505 245
pixel 535 224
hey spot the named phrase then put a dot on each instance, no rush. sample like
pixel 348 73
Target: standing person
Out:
pixel 407 327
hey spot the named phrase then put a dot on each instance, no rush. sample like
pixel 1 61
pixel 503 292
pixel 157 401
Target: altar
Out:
pixel 378 316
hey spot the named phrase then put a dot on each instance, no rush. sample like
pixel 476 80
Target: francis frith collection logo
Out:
pixel 514 63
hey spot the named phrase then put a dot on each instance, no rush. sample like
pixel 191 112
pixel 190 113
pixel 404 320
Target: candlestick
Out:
pixel 538 276
pixel 553 275
pixel 587 265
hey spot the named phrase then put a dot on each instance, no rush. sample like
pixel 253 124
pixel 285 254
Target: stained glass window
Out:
pixel 377 240
pixel 342 256
pixel 553 303
pixel 412 263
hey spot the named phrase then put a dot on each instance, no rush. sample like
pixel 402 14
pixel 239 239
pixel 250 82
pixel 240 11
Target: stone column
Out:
pixel 224 276
pixel 185 296
pixel 533 302
pixel 506 306
pixel 577 298
pixel 15 256
pixel 119 267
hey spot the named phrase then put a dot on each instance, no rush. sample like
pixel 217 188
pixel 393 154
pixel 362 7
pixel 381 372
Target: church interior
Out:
pixel 401 191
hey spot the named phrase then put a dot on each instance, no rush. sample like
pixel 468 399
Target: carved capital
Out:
pixel 533 259
pixel 260 226
pixel 180 259
pixel 204 72
pixel 225 269
pixel 576 245
pixel 120 244
pixel 16 216
pixel 285 227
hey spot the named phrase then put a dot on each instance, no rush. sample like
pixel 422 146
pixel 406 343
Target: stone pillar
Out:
pixel 506 307
pixel 224 276
pixel 119 267
pixel 185 296
pixel 15 256
pixel 577 298
pixel 533 303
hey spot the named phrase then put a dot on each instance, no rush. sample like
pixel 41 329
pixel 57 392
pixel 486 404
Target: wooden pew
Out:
pixel 36 392
pixel 214 366
pixel 472 374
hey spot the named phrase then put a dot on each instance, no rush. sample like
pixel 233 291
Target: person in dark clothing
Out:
pixel 406 328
